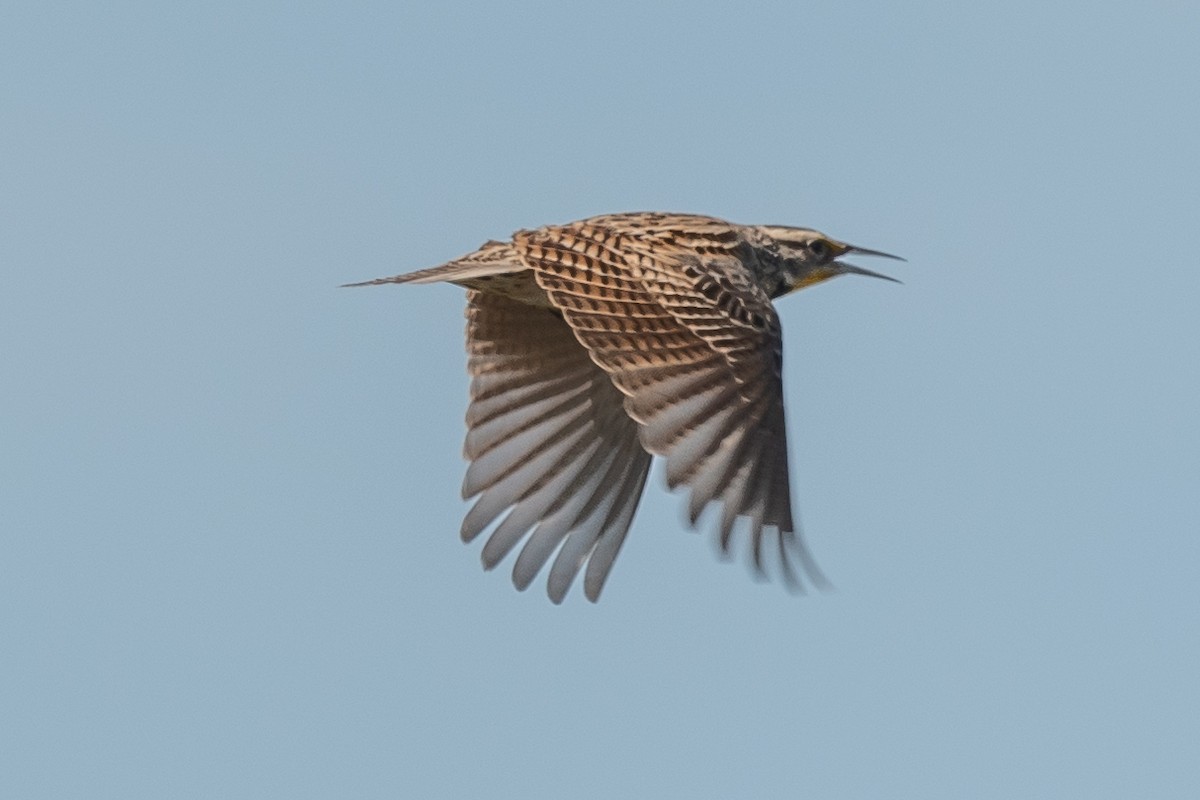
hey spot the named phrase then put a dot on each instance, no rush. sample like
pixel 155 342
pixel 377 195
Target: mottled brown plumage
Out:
pixel 593 345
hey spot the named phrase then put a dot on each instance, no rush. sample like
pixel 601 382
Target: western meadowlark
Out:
pixel 594 344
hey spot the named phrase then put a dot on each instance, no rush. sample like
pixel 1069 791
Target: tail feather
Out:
pixel 494 258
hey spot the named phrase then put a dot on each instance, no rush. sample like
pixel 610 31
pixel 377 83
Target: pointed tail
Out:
pixel 494 258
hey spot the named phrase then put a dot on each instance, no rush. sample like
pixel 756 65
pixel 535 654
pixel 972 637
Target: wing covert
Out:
pixel 695 346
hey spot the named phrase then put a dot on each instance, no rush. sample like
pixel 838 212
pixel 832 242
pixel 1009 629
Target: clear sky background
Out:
pixel 229 491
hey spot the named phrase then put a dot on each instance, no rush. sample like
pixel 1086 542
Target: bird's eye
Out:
pixel 819 248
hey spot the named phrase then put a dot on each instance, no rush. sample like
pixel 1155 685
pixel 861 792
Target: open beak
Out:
pixel 849 269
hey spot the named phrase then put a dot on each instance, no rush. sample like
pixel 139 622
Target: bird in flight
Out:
pixel 596 344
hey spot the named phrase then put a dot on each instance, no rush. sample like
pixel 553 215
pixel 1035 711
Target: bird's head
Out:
pixel 810 257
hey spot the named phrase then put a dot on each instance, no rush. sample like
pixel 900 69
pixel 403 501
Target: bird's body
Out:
pixel 595 344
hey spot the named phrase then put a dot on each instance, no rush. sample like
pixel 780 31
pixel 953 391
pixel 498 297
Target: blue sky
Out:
pixel 229 490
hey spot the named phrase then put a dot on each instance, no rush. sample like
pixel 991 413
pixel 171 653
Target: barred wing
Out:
pixel 696 348
pixel 549 439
